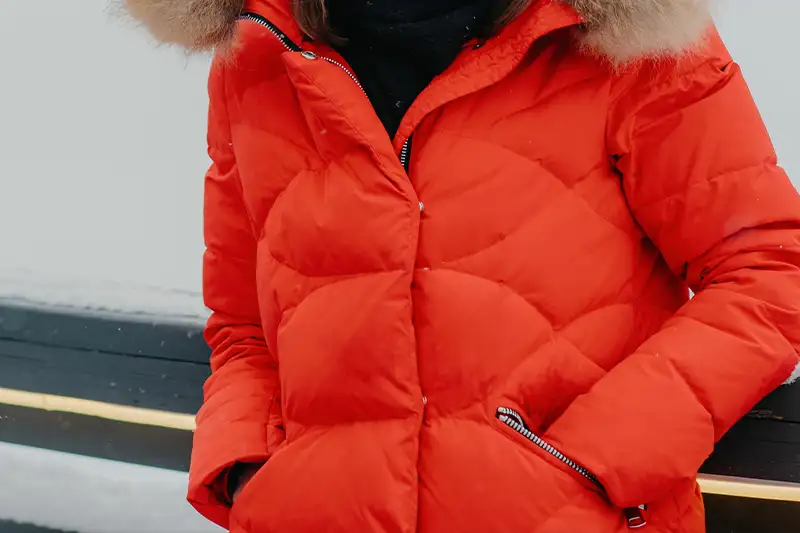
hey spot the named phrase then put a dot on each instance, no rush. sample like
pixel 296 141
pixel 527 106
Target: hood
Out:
pixel 618 29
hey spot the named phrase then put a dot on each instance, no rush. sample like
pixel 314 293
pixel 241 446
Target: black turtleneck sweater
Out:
pixel 397 47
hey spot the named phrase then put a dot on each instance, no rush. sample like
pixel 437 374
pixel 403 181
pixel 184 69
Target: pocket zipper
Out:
pixel 634 517
pixel 514 420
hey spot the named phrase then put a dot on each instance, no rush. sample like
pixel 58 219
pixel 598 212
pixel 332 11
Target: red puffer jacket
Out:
pixel 486 328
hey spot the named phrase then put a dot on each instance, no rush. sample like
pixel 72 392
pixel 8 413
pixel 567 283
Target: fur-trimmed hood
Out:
pixel 619 29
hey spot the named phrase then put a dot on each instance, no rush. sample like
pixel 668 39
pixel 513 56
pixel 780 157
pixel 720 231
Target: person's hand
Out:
pixel 240 476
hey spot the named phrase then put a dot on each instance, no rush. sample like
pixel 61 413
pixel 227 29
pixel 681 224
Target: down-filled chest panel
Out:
pixel 527 197
pixel 512 184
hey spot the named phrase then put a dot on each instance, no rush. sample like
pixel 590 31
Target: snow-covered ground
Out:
pixel 73 493
pixel 102 147
pixel 128 299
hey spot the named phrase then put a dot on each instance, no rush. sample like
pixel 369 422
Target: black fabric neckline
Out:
pixel 396 47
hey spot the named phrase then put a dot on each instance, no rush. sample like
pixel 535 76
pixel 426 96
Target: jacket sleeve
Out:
pixel 701 178
pixel 240 420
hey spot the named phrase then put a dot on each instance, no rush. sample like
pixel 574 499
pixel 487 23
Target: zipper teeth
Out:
pixel 513 420
pixel 347 71
pixel 404 153
pixel 285 41
pixel 293 47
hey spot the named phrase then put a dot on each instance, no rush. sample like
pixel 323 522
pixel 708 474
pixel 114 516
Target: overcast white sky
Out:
pixel 102 147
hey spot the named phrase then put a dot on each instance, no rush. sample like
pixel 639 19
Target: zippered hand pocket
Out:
pixel 514 420
pixel 634 517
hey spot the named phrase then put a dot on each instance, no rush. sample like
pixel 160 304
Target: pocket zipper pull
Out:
pixel 635 517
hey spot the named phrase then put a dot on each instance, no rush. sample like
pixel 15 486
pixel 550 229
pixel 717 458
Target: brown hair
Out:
pixel 312 17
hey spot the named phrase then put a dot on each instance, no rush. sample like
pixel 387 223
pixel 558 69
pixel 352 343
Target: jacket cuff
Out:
pixel 640 431
pixel 215 451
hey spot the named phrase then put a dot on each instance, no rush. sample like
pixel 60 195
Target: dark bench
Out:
pixel 143 380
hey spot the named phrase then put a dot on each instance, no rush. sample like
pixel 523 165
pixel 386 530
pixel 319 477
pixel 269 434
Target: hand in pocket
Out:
pixel 241 476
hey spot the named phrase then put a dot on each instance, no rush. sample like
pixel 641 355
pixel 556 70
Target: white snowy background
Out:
pixel 102 149
pixel 102 155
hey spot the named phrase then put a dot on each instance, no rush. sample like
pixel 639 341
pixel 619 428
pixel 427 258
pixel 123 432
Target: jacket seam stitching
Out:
pixel 761 164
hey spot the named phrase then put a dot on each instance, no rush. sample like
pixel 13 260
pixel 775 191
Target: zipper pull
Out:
pixel 505 415
pixel 635 517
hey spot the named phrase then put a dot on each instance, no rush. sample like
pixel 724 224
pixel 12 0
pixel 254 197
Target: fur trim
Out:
pixel 622 30
pixel 192 24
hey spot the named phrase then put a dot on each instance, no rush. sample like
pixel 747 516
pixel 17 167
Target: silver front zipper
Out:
pixel 512 419
pixel 346 71
pixel 311 55
pixel 291 46
pixel 282 37
pixel 405 153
